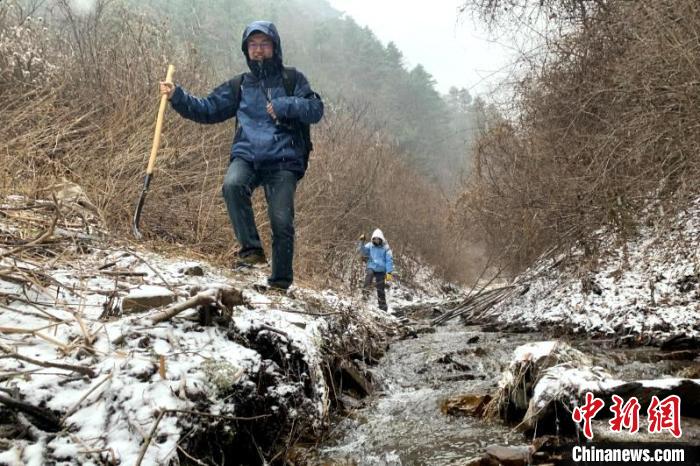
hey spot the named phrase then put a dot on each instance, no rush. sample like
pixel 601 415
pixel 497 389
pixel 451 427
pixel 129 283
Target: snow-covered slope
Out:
pixel 645 287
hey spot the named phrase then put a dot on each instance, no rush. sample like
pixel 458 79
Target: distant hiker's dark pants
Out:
pixel 380 279
pixel 280 186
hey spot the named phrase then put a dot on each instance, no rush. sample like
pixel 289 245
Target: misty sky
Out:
pixel 451 47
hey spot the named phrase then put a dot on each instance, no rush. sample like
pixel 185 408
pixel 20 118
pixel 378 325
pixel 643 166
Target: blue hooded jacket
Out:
pixel 259 139
pixel 379 258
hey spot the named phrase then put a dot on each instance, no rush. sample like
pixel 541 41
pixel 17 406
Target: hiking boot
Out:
pixel 271 289
pixel 250 260
pixel 278 286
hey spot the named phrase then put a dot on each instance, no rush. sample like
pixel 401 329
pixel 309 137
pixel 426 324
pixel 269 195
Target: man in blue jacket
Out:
pixel 268 149
pixel 380 265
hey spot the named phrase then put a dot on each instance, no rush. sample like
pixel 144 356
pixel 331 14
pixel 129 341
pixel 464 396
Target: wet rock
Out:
pixel 554 388
pixel 139 301
pixel 680 342
pixel 357 378
pixel 458 378
pixel 510 455
pixel 681 355
pixel 465 405
pixel 450 358
pixel 349 402
pixel 192 271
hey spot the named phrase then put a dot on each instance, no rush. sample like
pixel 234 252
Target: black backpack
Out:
pixel 289 80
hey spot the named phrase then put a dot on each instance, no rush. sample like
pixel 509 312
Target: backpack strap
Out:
pixel 289 79
pixel 236 83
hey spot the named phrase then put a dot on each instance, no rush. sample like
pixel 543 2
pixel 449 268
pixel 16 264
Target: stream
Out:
pixel 402 422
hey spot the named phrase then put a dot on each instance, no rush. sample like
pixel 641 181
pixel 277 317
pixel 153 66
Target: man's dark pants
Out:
pixel 380 279
pixel 280 185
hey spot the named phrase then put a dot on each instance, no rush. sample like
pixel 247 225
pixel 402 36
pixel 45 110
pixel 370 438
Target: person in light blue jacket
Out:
pixel 269 146
pixel 380 265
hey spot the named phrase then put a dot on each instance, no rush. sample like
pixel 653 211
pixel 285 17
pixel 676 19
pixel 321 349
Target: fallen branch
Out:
pixel 147 440
pixel 218 416
pixel 125 273
pixel 204 297
pixel 477 303
pixel 56 365
pixel 49 421
pixel 70 412
pixel 276 330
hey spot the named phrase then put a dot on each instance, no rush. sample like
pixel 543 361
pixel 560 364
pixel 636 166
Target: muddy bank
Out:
pixel 112 354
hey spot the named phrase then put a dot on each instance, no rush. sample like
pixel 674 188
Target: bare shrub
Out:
pixel 605 121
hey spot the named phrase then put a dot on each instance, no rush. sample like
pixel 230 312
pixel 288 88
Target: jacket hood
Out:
pixel 268 28
pixel 378 234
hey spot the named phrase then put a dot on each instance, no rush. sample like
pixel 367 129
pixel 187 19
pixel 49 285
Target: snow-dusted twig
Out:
pixel 69 367
pixel 218 416
pixel 147 440
pixel 190 457
pixel 72 410
pixel 204 297
pixel 123 273
pixel 89 339
pixel 155 271
pixel 275 330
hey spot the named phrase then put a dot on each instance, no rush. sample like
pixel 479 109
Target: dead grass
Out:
pixel 80 102
pixel 605 122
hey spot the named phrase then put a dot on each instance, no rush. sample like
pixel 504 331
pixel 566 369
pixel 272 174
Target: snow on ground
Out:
pixel 647 285
pixel 123 377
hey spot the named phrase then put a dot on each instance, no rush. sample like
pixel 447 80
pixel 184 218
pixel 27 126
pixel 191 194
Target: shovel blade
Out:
pixel 139 207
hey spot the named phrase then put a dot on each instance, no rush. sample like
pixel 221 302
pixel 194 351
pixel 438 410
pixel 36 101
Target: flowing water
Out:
pixel 402 423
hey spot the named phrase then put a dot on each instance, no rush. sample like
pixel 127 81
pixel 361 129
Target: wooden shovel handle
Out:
pixel 159 122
